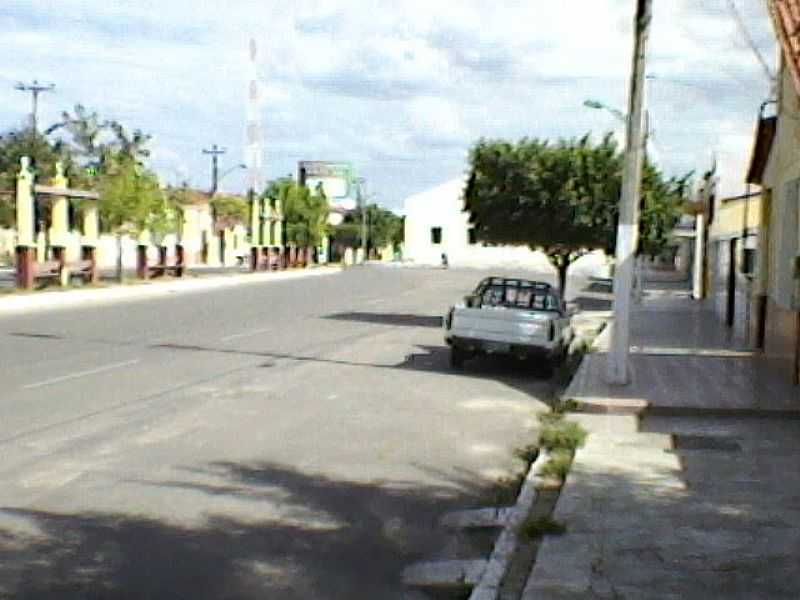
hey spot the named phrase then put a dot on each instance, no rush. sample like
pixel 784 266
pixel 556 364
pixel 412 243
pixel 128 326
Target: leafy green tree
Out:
pixel 131 202
pixel 383 228
pixel 230 210
pixel 305 211
pixel 8 215
pixel 562 197
pixel 96 142
pixel 44 155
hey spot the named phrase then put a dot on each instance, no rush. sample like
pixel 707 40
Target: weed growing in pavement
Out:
pixel 562 407
pixel 536 527
pixel 557 465
pixel 527 454
pixel 506 490
pixel 558 433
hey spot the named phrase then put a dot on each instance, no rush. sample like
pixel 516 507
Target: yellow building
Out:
pixel 732 244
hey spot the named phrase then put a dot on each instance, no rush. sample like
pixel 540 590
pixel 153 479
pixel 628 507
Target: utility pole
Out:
pixel 35 89
pixel 362 203
pixel 215 152
pixel 628 227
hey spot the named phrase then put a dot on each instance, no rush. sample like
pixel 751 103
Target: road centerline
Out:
pixel 79 374
pixel 244 334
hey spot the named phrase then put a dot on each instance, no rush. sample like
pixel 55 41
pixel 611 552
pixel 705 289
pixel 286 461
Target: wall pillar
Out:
pixel 26 242
pixel 91 237
pixel 89 253
pixel 59 224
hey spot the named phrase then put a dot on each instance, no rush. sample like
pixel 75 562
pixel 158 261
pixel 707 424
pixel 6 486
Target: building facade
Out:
pixel 775 166
pixel 732 245
pixel 436 225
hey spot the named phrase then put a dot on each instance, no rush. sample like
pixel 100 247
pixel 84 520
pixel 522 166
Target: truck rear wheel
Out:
pixel 457 357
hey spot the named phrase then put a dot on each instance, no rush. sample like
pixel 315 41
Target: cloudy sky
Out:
pixel 399 88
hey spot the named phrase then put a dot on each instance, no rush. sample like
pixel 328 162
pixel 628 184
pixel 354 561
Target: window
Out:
pixel 436 235
pixel 472 236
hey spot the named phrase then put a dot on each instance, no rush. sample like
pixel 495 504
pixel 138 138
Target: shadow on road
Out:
pixel 306 536
pixel 589 303
pixel 388 319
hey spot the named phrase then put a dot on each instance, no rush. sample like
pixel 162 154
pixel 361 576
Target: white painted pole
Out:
pixel 628 228
pixel 699 250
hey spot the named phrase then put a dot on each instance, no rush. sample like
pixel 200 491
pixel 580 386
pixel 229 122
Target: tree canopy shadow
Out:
pixel 357 547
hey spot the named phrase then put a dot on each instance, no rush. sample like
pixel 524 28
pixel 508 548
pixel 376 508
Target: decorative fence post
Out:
pixel 59 227
pixel 91 235
pixel 256 237
pixel 26 244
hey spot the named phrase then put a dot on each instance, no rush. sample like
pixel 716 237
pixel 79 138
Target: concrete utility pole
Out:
pixel 215 152
pixel 35 89
pixel 628 228
pixel 362 203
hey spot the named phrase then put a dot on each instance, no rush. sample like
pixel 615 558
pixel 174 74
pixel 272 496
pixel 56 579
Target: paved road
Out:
pixel 294 439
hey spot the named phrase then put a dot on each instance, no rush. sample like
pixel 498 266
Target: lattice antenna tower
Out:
pixel 254 148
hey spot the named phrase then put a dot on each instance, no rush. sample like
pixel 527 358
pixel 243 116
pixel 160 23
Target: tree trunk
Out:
pixel 563 267
pixel 120 271
pixel 561 262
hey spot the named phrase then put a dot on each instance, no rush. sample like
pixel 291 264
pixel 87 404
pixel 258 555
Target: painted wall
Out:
pixel 782 180
pixel 730 219
pixel 442 207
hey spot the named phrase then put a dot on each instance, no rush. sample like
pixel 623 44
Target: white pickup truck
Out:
pixel 517 317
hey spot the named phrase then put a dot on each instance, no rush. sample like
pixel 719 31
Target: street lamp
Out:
pixel 231 170
pixel 596 104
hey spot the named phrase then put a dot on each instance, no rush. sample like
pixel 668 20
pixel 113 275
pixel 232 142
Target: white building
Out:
pixel 436 224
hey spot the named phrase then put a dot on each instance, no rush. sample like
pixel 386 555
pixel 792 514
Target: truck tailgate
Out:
pixel 499 324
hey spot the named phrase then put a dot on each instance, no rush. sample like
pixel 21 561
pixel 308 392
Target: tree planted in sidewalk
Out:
pixel 98 143
pixel 229 211
pixel 132 202
pixel 384 228
pixel 305 211
pixel 562 197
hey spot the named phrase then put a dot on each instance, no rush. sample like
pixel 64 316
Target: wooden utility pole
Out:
pixel 628 227
pixel 35 89
pixel 215 152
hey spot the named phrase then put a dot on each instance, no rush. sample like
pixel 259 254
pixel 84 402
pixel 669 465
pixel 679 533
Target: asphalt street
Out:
pixel 294 439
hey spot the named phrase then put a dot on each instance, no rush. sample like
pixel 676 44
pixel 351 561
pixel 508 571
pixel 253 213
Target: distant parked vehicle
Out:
pixel 519 318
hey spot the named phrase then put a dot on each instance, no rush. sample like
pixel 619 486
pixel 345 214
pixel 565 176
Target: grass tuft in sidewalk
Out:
pixel 558 433
pixel 536 527
pixel 557 465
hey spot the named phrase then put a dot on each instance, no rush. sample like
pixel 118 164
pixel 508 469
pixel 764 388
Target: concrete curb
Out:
pixel 37 302
pixel 506 545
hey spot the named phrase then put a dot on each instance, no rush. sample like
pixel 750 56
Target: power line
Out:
pixel 737 17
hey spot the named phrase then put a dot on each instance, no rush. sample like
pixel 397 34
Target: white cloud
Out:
pixel 399 87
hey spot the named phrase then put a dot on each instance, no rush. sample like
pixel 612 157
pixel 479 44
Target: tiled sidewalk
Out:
pixel 682 357
pixel 705 504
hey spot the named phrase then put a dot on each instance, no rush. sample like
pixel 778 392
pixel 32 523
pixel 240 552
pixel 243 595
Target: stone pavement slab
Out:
pixel 701 505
